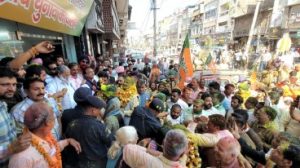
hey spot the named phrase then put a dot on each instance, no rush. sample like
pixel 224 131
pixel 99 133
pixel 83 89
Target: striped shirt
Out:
pixel 7 132
pixel 19 109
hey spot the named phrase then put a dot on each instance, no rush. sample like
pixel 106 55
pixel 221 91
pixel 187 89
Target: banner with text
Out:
pixel 65 16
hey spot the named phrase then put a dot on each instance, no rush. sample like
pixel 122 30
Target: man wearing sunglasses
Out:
pixel 51 71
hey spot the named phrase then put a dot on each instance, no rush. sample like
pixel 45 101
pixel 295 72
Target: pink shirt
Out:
pixel 31 158
pixel 137 157
pixel 224 133
pixel 76 81
pixel 195 94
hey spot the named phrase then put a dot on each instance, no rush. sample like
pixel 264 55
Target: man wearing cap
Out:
pixel 69 115
pixel 80 96
pixel 146 120
pixel 92 135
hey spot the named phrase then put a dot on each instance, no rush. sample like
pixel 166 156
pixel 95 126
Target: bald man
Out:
pixel 227 151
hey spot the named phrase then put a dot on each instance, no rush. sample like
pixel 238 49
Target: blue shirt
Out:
pixel 143 98
pixel 226 104
pixel 7 131
pixel 113 162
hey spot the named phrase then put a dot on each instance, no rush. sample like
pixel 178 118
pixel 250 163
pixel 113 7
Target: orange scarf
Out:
pixel 53 162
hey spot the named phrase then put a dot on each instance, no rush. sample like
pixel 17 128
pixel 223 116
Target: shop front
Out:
pixel 35 21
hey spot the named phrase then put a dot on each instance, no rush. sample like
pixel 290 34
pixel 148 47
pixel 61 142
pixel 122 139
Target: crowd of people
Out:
pixel 225 59
pixel 95 113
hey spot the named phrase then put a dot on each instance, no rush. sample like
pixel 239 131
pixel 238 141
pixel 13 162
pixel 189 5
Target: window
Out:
pixel 211 14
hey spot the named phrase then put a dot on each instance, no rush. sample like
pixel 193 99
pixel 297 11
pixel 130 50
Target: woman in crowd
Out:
pixel 125 135
pixel 113 116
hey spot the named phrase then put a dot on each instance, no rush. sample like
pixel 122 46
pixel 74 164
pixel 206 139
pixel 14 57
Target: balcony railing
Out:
pixel 224 13
pixel 223 29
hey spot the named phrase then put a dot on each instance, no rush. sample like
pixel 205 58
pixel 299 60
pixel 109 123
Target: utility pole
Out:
pixel 154 29
pixel 251 31
pixel 232 17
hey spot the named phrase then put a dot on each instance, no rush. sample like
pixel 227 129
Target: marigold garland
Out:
pixel 53 163
pixel 125 95
pixel 193 156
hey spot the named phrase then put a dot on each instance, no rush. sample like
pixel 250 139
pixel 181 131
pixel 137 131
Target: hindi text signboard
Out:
pixel 65 16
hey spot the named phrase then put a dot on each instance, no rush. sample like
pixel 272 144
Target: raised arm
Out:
pixel 44 47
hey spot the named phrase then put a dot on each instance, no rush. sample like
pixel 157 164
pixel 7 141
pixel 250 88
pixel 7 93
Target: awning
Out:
pixel 67 17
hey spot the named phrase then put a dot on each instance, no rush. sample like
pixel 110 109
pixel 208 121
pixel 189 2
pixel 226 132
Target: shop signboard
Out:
pixel 65 16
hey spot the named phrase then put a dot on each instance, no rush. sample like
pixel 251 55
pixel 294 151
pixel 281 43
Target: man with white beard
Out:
pixel 61 82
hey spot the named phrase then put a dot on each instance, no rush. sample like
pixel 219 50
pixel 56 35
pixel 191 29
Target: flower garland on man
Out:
pixel 44 150
pixel 128 95
pixel 127 91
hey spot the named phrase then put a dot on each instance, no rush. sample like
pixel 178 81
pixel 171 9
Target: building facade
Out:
pixel 53 23
pixel 88 27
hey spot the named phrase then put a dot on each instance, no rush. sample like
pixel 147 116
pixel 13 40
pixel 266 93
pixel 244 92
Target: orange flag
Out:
pixel 185 63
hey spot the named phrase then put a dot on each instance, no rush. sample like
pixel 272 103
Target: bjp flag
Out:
pixel 185 63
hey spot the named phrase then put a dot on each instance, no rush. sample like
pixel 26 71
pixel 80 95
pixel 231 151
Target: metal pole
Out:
pixel 258 39
pixel 154 29
pixel 251 31
pixel 233 20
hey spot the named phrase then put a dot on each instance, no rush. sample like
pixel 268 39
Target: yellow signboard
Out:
pixel 65 16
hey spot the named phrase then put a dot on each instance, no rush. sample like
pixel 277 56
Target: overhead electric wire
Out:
pixel 146 20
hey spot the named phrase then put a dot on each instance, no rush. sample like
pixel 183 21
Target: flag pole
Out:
pixel 251 32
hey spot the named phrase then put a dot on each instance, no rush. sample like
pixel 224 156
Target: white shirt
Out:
pixel 267 57
pixel 174 121
pixel 282 118
pixel 49 78
pixel 185 109
pixel 210 111
pixel 181 103
pixel 57 85
pixel 140 66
